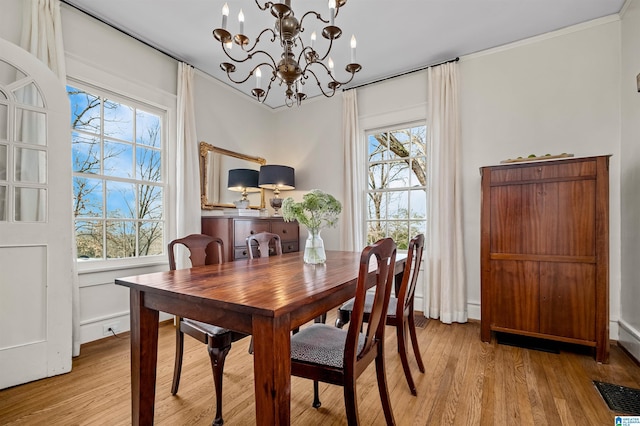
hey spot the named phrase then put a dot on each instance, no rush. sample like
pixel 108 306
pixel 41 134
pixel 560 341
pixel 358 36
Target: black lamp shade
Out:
pixel 277 177
pixel 241 180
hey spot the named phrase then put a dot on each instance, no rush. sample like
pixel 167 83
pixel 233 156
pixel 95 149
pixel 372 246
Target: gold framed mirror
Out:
pixel 215 164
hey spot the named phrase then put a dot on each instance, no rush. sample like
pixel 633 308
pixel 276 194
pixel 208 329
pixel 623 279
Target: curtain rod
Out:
pixel 401 74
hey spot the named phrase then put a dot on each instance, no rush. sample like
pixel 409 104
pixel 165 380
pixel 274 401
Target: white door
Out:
pixel 35 220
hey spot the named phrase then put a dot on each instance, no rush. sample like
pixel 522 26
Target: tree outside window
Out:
pixel 397 184
pixel 118 186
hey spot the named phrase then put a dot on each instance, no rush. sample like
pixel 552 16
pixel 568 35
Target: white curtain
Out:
pixel 188 169
pixel 354 155
pixel 42 36
pixel 445 291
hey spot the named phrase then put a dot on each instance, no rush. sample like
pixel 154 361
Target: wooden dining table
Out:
pixel 264 297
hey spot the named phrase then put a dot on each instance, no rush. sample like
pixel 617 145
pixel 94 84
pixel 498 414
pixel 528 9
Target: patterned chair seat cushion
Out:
pixel 321 344
pixel 206 328
pixel 368 303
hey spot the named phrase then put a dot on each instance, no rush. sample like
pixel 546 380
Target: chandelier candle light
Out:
pixel 297 62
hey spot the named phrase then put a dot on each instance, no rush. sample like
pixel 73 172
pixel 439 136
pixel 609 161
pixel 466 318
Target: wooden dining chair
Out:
pixel 400 313
pixel 328 354
pixel 264 241
pixel 217 339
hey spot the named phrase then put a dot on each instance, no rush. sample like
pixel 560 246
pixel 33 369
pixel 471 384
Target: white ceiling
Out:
pixel 393 36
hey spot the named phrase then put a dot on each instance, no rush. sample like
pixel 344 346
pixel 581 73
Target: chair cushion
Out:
pixel 321 344
pixel 206 328
pixel 368 303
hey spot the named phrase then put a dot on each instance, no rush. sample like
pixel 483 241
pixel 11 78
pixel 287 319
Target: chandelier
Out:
pixel 298 62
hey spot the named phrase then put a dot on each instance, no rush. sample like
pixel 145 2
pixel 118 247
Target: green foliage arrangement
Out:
pixel 316 210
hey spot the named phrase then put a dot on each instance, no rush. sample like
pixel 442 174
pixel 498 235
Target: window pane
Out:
pixel 87 197
pixel 419 141
pixel 29 95
pixel 398 175
pixel 89 239
pixel 31 127
pixel 120 200
pixel 118 121
pixel 148 129
pixel 148 165
pixel 376 230
pixel 399 144
pixel 150 202
pixel 85 110
pixel 418 202
pixel 398 205
pixel 377 147
pixel 3 162
pixel 399 231
pixel 4 120
pixel 30 165
pixel 121 239
pixel 30 204
pixel 151 242
pixel 377 205
pixel 3 203
pixel 118 159
pixel 86 153
pixel 418 175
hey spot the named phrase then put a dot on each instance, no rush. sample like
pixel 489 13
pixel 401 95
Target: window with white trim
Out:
pixel 396 183
pixel 118 179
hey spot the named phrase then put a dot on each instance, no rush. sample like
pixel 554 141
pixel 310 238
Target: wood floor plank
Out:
pixel 467 382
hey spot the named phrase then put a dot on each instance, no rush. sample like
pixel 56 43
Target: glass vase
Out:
pixel 314 248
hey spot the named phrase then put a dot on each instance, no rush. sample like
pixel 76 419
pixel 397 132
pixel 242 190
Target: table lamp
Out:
pixel 244 181
pixel 276 178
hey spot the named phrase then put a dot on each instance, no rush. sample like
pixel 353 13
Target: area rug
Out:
pixel 620 399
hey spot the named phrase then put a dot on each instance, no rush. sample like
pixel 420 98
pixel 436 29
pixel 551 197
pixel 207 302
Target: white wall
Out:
pixel 630 180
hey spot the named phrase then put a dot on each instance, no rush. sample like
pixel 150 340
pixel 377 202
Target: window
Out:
pixel 397 184
pixel 118 184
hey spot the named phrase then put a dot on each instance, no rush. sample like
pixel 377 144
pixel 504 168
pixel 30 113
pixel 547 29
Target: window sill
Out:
pixel 93 266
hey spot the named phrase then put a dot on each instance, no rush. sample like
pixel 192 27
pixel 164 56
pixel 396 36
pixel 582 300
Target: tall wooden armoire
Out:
pixel 545 251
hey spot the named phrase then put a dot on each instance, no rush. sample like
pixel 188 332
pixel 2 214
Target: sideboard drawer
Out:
pixel 243 228
pixel 288 231
pixel 290 246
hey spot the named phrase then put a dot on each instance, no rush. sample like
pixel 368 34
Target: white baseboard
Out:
pixel 93 329
pixel 629 339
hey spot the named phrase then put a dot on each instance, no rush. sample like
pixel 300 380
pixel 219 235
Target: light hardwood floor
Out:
pixel 467 382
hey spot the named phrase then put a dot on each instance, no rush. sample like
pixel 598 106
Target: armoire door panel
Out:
pixel 576 219
pixel 539 217
pixel 567 298
pixel 515 295
pixel 506 213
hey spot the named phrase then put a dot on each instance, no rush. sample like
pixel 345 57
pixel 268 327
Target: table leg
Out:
pixel 272 370
pixel 144 356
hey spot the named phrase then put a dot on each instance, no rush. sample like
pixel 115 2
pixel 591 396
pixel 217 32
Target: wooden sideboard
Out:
pixel 545 251
pixel 234 231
